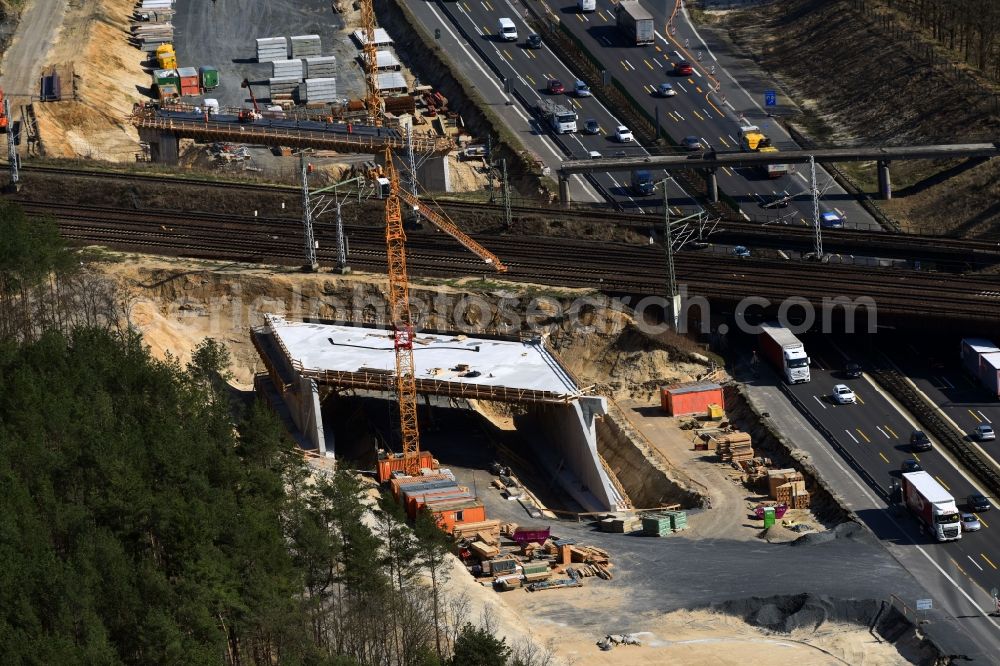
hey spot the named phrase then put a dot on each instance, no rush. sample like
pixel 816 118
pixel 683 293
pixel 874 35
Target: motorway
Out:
pixel 696 111
pixel 875 433
pixel 472 24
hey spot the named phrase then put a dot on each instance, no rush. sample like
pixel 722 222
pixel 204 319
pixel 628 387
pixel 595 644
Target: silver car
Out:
pixel 984 432
pixel 970 523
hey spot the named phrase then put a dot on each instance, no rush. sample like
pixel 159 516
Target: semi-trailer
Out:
pixel 932 505
pixel 785 351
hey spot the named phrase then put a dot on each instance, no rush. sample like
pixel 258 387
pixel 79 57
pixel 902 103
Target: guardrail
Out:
pixel 894 382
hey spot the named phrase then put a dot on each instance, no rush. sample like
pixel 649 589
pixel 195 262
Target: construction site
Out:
pixel 625 495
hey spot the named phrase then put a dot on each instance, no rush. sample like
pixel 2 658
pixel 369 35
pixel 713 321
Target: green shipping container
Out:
pixel 209 77
pixel 167 77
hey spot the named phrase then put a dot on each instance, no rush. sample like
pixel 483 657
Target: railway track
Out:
pixel 950 254
pixel 607 267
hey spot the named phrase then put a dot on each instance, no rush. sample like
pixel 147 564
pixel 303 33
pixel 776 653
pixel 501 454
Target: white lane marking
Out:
pixel 802 176
pixel 681 86
pixel 945 381
pixel 679 115
pixel 974 562
pixel 879 428
pixel 984 416
pixel 587 188
pixel 735 142
pixel 851 436
pixel 816 398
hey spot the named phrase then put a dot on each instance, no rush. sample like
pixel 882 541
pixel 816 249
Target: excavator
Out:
pixel 246 115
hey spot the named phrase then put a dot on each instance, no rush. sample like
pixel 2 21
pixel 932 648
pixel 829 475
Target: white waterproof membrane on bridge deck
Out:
pixel 450 358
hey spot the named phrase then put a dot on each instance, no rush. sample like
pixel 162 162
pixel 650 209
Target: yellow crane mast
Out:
pixel 373 101
pixel 399 302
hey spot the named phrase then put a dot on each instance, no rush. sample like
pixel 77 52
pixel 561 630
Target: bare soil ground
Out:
pixel 859 83
pixel 109 77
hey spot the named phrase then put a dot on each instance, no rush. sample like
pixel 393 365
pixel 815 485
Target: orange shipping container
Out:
pixel 399 484
pixel 692 398
pixel 449 514
pixel 387 466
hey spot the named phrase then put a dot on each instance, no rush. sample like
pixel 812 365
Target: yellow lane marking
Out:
pixel 486 30
pixel 861 432
pixel 988 561
pixel 892 431
pixel 880 455
pixel 580 16
pixel 648 64
pixel 724 142
pixel 691 81
pixel 915 457
pixel 975 417
pixel 959 566
pixel 601 14
pixel 487 5
pixel 859 398
pixel 507 55
pixel 658 49
pixel 697 89
pixel 467 8
pixel 985 524
pixel 697 114
pixel 527 76
pixel 624 66
pixel 942 483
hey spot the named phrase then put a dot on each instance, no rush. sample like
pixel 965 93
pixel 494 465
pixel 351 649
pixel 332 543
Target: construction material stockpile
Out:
pixel 734 447
pixel 305 46
pixel 321 67
pixel 318 90
pixel 662 524
pixel 151 24
pixel 287 69
pixel 788 486
pixel 272 48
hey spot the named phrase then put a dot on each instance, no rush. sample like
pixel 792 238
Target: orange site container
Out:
pixel 387 466
pixel 693 398
pixel 449 513
pixel 418 499
pixel 403 483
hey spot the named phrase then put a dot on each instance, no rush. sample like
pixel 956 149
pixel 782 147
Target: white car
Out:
pixel 594 155
pixel 623 134
pixel 843 395
pixel 984 432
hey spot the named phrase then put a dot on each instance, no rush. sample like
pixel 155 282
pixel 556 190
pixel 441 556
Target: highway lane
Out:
pixel 936 370
pixel 715 118
pixel 528 71
pixel 876 434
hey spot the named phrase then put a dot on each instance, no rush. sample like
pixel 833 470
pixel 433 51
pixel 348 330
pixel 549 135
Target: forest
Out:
pixel 151 515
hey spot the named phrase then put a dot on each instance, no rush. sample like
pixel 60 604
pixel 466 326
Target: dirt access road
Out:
pixel 22 63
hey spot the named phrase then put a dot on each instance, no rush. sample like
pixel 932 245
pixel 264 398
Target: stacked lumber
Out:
pixel 589 554
pixel 621 525
pixel 487 531
pixel 587 570
pixel 734 447
pixel 788 487
pixel 484 551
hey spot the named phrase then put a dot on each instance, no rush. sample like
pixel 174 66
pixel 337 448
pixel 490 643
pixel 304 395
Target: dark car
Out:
pixel 691 143
pixel 683 68
pixel 920 441
pixel 852 370
pixel 534 41
pixel 768 200
pixel 556 87
pixel 910 465
pixel 591 126
pixel 978 503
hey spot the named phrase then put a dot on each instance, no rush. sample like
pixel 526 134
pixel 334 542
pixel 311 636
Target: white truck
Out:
pixel 586 5
pixel 785 351
pixel 559 118
pixel 636 22
pixel 933 505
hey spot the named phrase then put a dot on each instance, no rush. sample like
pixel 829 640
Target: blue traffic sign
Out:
pixel 770 98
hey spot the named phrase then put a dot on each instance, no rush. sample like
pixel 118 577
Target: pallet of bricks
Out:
pixel 663 523
pixel 787 486
pixel 733 447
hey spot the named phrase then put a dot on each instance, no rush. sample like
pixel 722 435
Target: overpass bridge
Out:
pixel 710 161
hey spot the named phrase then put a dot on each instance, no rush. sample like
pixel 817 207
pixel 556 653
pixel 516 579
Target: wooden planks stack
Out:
pixel 621 525
pixel 788 487
pixel 733 447
pixel 487 531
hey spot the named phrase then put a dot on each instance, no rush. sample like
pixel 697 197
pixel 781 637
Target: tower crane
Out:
pixel 399 302
pixel 373 101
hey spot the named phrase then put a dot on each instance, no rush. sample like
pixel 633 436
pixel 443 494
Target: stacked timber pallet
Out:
pixel 287 69
pixel 620 524
pixel 321 67
pixel 788 487
pixel 304 46
pixel 734 447
pixel 272 48
pixel 318 90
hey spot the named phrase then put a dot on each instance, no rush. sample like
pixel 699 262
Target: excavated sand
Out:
pixel 93 37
